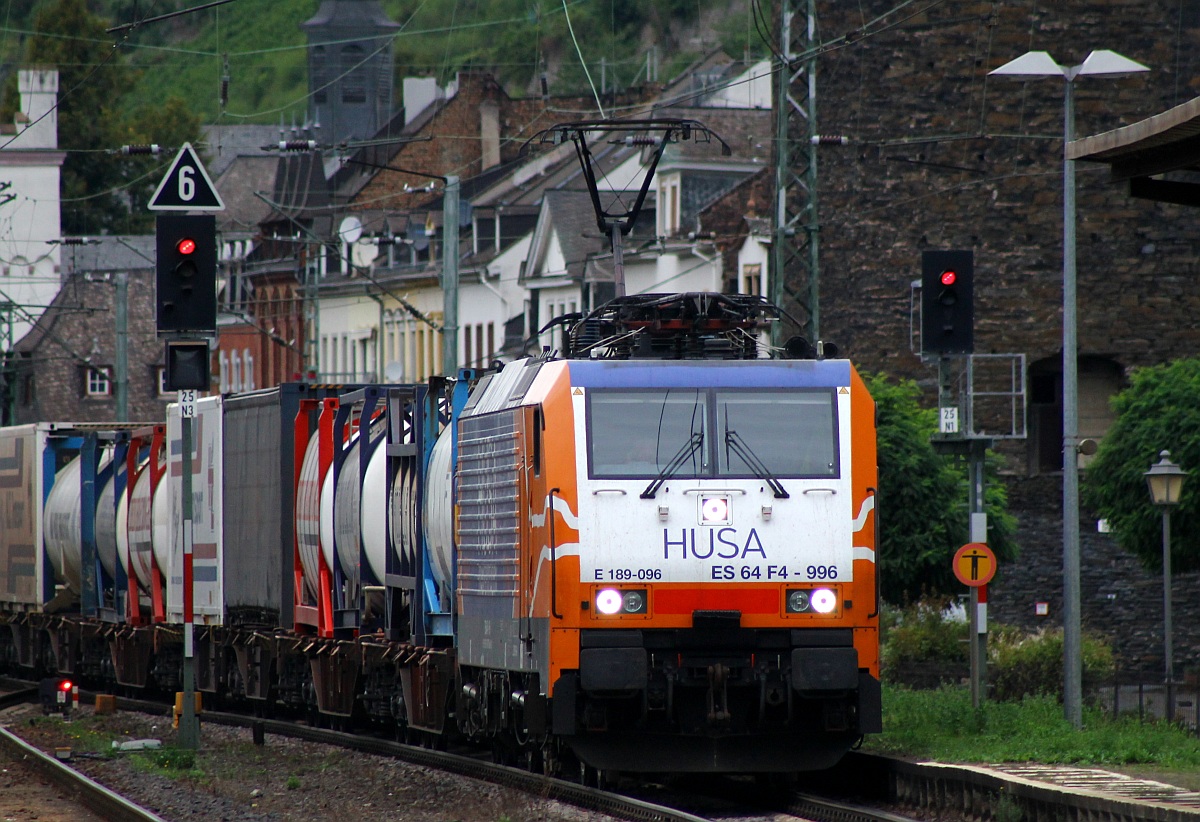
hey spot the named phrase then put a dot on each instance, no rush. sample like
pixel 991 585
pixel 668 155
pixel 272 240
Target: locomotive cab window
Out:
pixel 693 433
pixel 792 434
pixel 642 433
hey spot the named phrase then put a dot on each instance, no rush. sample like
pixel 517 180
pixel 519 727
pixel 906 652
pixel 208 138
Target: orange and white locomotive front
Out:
pixel 721 517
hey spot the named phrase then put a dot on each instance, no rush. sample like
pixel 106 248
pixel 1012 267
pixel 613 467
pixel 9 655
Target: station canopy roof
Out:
pixel 1159 156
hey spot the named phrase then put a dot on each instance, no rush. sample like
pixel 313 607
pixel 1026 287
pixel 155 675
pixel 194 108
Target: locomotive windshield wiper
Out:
pixel 739 447
pixel 690 447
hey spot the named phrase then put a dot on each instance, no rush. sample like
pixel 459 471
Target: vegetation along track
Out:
pixel 86 792
pixel 670 807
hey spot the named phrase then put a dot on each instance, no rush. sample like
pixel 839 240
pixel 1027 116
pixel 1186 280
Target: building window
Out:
pixel 27 389
pixel 752 279
pixel 354 75
pixel 249 381
pixel 99 382
pixel 319 78
pixel 668 206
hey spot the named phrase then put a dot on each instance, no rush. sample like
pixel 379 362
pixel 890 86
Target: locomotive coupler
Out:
pixel 718 694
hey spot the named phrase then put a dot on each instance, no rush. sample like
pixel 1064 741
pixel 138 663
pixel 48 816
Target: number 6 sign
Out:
pixel 186 186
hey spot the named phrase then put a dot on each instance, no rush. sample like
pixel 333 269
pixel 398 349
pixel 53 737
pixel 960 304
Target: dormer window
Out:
pixel 668 205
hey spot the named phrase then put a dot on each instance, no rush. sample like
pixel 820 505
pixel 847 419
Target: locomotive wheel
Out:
pixel 535 761
pixel 589 777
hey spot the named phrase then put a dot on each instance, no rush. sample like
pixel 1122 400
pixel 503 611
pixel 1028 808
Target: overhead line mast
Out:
pixel 794 270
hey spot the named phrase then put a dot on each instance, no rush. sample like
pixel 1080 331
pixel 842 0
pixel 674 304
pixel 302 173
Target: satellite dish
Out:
pixel 350 230
pixel 393 371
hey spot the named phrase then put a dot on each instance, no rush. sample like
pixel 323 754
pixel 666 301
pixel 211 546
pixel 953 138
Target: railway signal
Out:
pixel 947 302
pixel 58 695
pixel 186 271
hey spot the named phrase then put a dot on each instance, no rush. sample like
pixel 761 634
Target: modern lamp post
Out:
pixel 1041 64
pixel 1165 479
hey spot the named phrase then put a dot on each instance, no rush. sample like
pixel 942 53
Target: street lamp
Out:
pixel 1165 479
pixel 1041 64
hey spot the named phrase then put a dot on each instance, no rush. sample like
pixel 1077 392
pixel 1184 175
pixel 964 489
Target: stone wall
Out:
pixel 1119 598
pixel 942 156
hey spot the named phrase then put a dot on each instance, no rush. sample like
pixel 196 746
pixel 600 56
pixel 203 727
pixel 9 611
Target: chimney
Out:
pixel 39 93
pixel 489 134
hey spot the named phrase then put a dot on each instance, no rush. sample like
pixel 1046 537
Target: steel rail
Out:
pixel 84 790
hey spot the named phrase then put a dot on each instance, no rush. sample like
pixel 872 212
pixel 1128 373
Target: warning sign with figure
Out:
pixel 974 564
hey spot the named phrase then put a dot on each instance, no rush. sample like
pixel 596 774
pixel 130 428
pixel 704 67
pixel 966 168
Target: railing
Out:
pixel 1149 697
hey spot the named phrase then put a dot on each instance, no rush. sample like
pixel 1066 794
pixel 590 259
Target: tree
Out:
pixel 1160 410
pixel 923 499
pixel 101 191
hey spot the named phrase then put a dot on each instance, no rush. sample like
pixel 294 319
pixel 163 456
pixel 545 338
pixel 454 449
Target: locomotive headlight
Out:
pixel 797 602
pixel 608 601
pixel 614 601
pixel 633 602
pixel 810 601
pixel 824 600
pixel 715 510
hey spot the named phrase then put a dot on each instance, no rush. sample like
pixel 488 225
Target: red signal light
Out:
pixel 949 277
pixel 186 246
pixel 65 685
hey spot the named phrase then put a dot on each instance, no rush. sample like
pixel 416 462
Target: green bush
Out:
pixel 924 644
pixel 1159 410
pixel 1021 665
pixel 923 499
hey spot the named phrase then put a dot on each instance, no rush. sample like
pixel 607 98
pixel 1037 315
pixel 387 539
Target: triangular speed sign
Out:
pixel 186 186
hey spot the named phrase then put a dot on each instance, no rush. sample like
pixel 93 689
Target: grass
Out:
pixel 942 725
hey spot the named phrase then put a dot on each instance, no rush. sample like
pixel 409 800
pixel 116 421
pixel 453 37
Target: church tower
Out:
pixel 349 69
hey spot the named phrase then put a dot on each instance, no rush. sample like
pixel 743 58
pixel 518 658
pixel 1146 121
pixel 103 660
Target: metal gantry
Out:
pixel 794 271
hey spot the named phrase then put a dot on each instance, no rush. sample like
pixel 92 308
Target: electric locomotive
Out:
pixel 665 545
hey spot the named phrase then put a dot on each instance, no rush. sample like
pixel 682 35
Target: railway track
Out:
pixel 77 795
pixel 669 806
pixel 1037 791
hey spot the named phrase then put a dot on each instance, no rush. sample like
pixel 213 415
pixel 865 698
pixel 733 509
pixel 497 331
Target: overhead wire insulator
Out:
pixel 830 140
pixel 130 151
pixel 297 145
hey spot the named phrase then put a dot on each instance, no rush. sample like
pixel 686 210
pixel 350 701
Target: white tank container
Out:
pixel 373 516
pixel 106 521
pixel 123 532
pixel 403 503
pixel 353 505
pixel 149 529
pixel 63 526
pixel 308 516
pixel 439 511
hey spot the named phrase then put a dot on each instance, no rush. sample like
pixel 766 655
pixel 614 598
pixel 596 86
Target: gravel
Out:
pixel 230 778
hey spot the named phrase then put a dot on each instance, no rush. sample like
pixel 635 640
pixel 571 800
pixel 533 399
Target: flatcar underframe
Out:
pixel 736 695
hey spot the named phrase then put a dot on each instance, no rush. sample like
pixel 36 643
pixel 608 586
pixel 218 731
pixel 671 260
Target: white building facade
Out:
pixel 30 228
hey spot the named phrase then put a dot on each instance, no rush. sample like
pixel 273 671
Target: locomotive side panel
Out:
pixel 866 528
pixel 489 505
pixel 553 548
